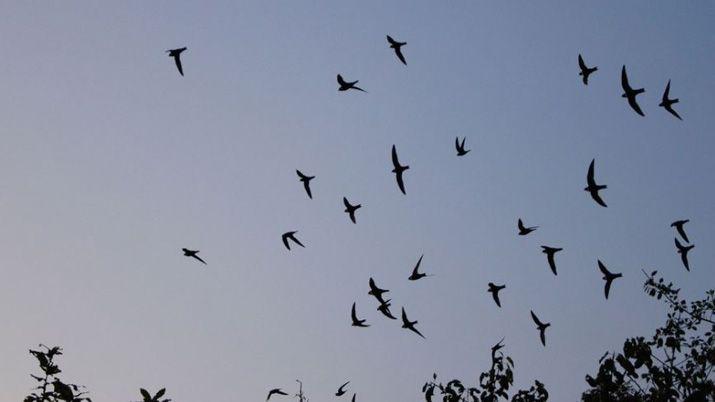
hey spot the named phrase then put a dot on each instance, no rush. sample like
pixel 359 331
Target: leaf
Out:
pixel 159 394
pixel 145 395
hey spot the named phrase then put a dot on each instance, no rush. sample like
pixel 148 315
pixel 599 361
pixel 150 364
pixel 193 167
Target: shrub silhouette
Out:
pixel 50 388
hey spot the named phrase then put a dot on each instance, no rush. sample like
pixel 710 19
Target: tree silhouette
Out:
pixel 675 364
pixel 50 388
pixel 492 386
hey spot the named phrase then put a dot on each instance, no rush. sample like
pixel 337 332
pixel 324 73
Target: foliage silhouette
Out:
pixel 675 364
pixel 156 398
pixel 50 388
pixel 492 386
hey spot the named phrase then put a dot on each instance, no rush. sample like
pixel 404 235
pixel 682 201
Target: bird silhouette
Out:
pixel 541 327
pixel 683 251
pixel 341 390
pixel 460 146
pixel 350 209
pixel 344 85
pixel 585 71
pixel 630 93
pixel 376 291
pixel 398 170
pixel 290 236
pixel 494 290
pixel 550 254
pixel 667 103
pixel 415 271
pixel 398 48
pixel 592 187
pixel 192 253
pixel 407 324
pixel 523 230
pixel 384 308
pixel 306 182
pixel 678 225
pixel 356 321
pixel 608 277
pixel 275 391
pixel 176 54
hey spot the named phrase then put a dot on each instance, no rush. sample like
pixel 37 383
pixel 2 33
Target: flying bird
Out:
pixel 398 48
pixel 176 54
pixel 630 93
pixel 398 170
pixel 344 85
pixel 375 291
pixel 585 71
pixel 541 327
pixel 275 391
pixel 494 290
pixel 608 277
pixel 306 182
pixel 683 251
pixel 667 103
pixel 407 324
pixel 523 230
pixel 192 253
pixel 594 188
pixel 415 272
pixel 550 253
pixel 290 236
pixel 356 321
pixel 384 308
pixel 460 146
pixel 350 209
pixel 678 225
pixel 341 390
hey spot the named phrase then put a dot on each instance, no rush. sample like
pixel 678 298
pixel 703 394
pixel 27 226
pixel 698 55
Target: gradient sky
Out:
pixel 112 163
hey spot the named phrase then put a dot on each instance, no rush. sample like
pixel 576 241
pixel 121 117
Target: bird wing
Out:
pixel 456 143
pixel 678 245
pixel 603 268
pixel 415 330
pixel 666 93
pixel 177 60
pixel 405 320
pixel 395 160
pixel 347 204
pixel 297 241
pixel 400 183
pixel 354 314
pixel 684 258
pixel 624 80
pixel 495 295
pixel 552 262
pixel 607 288
pixel 581 64
pixel 417 266
pixel 392 41
pixel 341 81
pixel 542 335
pixel 634 105
pixel 398 52
pixel 300 174
pixel 681 230
pixel 199 258
pixel 589 176
pixel 536 319
pixel 285 241
pixel 596 197
pixel 673 112
pixel 520 224
pixel 306 185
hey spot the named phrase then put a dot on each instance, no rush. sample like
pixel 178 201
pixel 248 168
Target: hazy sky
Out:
pixel 112 163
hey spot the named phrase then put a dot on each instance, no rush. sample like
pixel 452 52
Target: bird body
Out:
pixel 668 103
pixel 523 230
pixel 193 254
pixel 608 277
pixel 494 290
pixel 397 46
pixel 585 70
pixel 345 85
pixel 541 327
pixel 176 54
pixel 306 182
pixel 398 170
pixel 592 187
pixel 290 236
pixel 630 93
pixel 350 209
pixel 356 321
pixel 460 146
pixel 407 324
pixel 550 256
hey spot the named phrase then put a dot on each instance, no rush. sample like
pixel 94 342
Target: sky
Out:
pixel 112 162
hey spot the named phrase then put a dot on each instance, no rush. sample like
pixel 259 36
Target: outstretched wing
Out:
pixel 398 52
pixel 341 81
pixel 536 319
pixel 177 60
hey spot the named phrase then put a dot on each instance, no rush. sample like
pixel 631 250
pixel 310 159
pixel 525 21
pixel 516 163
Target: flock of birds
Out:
pixel 592 187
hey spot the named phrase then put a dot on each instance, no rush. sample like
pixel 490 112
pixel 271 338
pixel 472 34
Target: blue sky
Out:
pixel 112 163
